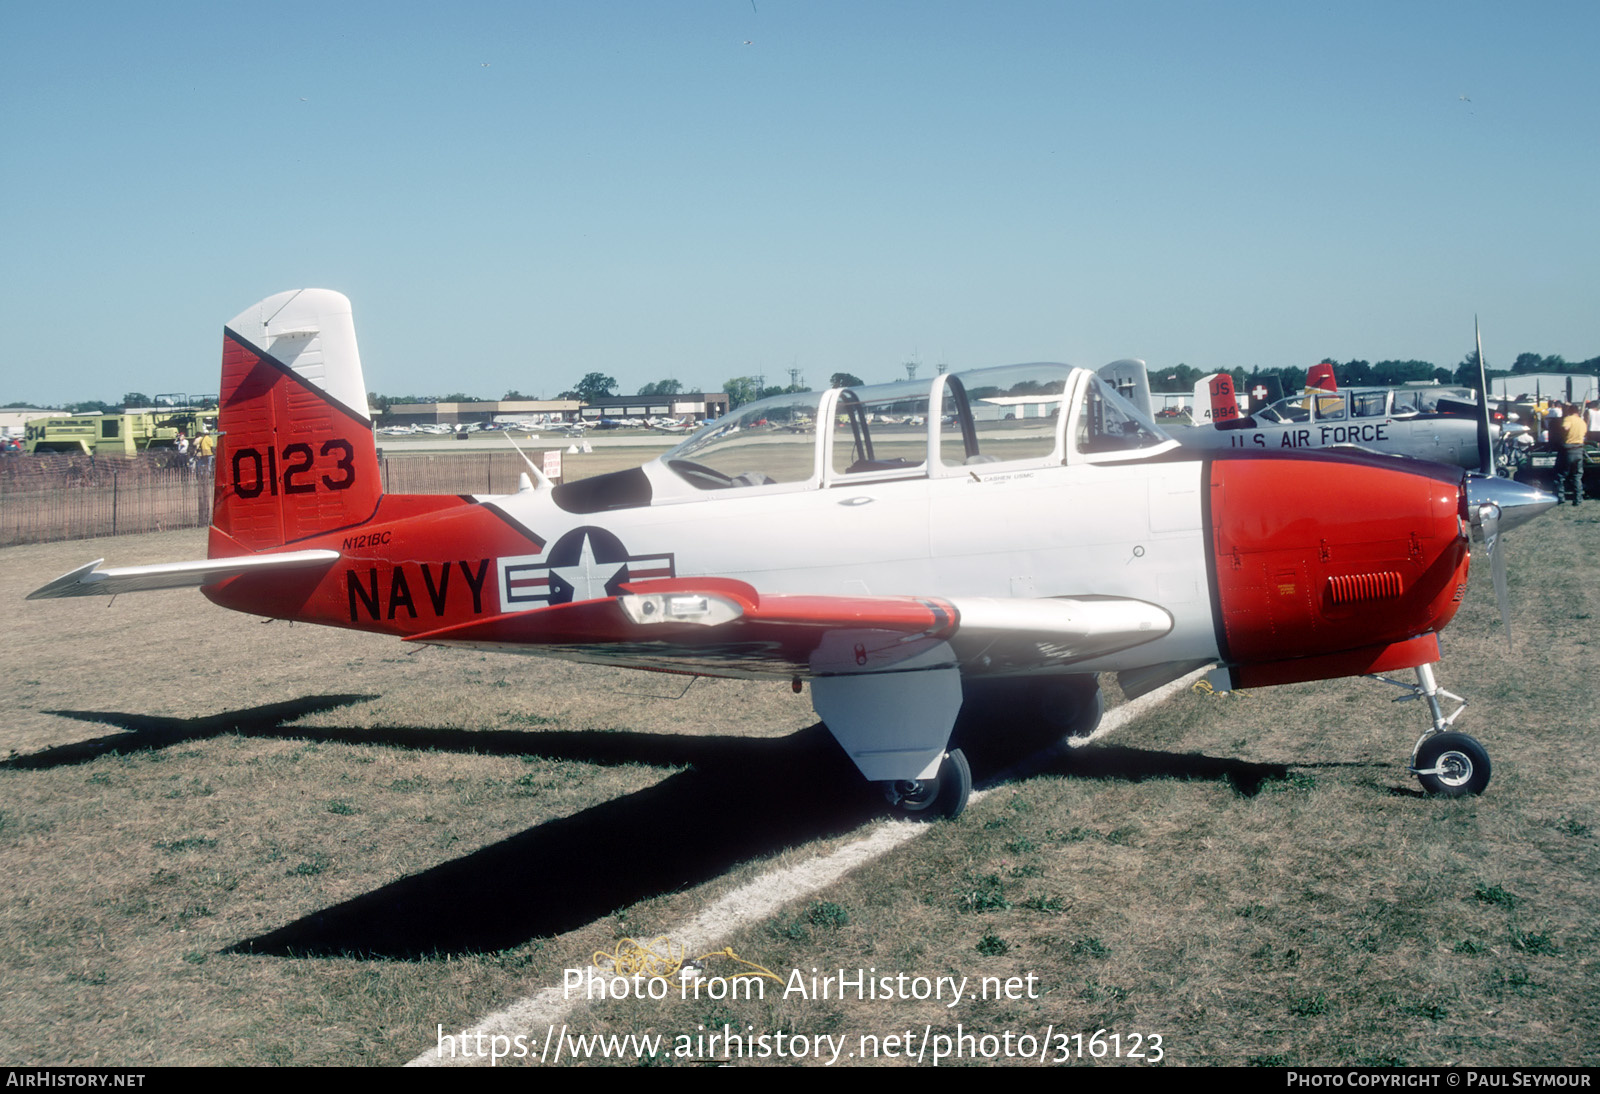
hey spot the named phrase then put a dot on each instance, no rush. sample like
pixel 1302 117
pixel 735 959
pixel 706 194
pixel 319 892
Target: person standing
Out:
pixel 205 450
pixel 1570 434
pixel 1552 422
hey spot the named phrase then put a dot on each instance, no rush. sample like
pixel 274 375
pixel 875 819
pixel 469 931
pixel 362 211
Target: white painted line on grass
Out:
pixel 528 1018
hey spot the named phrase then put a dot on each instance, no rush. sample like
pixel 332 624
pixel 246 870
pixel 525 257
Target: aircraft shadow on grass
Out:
pixel 736 798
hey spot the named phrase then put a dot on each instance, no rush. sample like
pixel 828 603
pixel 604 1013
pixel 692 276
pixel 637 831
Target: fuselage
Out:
pixel 1286 558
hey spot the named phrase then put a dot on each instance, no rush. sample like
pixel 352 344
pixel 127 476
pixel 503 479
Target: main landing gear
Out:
pixel 944 795
pixel 1446 763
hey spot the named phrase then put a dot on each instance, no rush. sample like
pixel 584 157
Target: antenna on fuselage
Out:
pixel 541 481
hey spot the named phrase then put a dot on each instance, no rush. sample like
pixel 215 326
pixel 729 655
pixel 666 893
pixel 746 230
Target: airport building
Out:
pixel 701 406
pixel 477 413
pixel 695 405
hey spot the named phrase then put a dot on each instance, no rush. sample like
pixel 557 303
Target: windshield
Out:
pixel 770 441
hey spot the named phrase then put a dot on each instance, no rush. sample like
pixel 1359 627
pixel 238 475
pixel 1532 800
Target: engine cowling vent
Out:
pixel 1350 588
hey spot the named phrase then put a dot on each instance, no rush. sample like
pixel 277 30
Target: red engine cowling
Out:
pixel 1353 568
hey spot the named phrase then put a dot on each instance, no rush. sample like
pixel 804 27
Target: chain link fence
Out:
pixel 44 499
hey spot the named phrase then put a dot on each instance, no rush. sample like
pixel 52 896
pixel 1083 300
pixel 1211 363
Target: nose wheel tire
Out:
pixel 944 795
pixel 1452 765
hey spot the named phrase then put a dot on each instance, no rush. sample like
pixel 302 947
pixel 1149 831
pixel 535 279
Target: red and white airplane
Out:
pixel 893 545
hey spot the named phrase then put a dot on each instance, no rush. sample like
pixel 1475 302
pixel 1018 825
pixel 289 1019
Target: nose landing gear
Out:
pixel 1446 763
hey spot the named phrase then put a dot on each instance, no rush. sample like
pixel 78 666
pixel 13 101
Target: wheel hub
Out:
pixel 1454 769
pixel 910 793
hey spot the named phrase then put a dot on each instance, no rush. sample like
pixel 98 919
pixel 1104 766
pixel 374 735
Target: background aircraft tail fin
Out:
pixel 1215 401
pixel 1319 377
pixel 297 455
pixel 1132 382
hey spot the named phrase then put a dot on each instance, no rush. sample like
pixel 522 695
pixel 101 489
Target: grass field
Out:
pixel 230 842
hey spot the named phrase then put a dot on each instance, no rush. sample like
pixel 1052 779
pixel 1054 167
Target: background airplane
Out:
pixel 1032 530
pixel 1428 423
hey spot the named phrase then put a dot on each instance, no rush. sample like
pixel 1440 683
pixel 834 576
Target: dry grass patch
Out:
pixel 262 844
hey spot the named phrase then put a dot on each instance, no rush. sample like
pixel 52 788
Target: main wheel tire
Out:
pixel 1071 707
pixel 955 784
pixel 1038 712
pixel 944 795
pixel 1460 765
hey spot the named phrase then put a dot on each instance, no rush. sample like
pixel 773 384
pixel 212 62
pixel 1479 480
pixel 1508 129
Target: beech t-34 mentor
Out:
pixel 894 545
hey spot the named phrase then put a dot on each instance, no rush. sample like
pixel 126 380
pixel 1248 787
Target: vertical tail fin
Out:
pixel 1319 378
pixel 1215 393
pixel 1132 382
pixel 297 456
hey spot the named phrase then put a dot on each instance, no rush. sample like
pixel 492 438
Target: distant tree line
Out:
pixel 1178 378
pixel 1358 373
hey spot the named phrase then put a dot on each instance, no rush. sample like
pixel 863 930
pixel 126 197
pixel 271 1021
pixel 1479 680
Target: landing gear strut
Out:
pixel 944 795
pixel 1446 763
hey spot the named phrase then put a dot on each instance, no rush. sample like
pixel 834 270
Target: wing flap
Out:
pixel 91 581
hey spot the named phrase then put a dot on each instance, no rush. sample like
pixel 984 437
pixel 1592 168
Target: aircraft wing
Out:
pixel 91 581
pixel 720 626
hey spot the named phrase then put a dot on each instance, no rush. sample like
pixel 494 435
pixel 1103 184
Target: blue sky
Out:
pixel 515 194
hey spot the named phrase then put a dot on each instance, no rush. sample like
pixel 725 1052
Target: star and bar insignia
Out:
pixel 587 563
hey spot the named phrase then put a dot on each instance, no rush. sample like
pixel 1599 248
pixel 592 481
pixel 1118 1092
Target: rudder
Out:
pixel 1215 401
pixel 297 456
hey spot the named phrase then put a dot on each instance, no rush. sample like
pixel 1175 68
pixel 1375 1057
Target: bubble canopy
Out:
pixel 1015 415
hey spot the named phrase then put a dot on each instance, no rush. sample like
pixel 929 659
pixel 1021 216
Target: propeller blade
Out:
pixel 1486 522
pixel 1485 444
pixel 1497 570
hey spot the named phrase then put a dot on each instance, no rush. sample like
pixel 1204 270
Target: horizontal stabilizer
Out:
pixel 91 581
